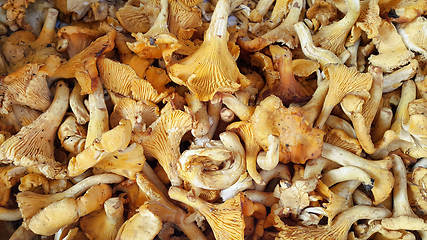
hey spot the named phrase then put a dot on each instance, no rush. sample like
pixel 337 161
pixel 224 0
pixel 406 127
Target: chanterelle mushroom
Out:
pixel 211 68
pixel 298 140
pixel 33 145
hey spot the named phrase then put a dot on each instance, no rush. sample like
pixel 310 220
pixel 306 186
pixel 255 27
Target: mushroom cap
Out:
pixel 339 138
pixel 135 19
pixel 78 38
pixel 144 224
pixel 140 113
pixel 391 48
pixel 369 19
pixel 28 86
pixel 184 20
pixel 298 140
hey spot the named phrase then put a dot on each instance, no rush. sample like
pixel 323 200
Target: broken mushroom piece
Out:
pixel 144 224
pixel 112 143
pixel 68 210
pixel 33 145
pixel 72 135
pixel 211 68
pixel 225 219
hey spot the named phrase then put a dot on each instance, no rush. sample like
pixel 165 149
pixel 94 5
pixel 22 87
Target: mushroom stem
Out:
pixel 10 214
pixel 30 203
pixel 48 30
pixel 321 55
pixel 98 123
pixel 288 89
pixel 161 23
pixel 77 105
pixel 378 170
pixel 214 111
pixel 242 111
pixel 403 216
pixel 281 171
pixel 346 173
pixel 314 106
pixel 382 123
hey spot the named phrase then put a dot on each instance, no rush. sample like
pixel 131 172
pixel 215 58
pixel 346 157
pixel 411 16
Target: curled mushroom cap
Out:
pixel 33 144
pixel 211 68
pixel 226 219
pixel 414 35
pixel 193 162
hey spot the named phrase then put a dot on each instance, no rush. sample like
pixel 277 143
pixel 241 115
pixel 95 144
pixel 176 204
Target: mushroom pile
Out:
pixel 190 119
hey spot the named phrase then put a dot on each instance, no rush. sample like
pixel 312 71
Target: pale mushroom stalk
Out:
pixel 10 214
pixel 378 170
pixel 314 106
pixel 161 23
pixel 26 148
pixel 265 198
pixel 199 110
pixel 214 116
pixel 245 131
pixel 261 9
pixel 98 123
pixel 352 107
pixel 339 123
pixel 244 182
pixel 48 31
pixel 382 123
pixel 337 230
pixel 269 160
pixel 281 171
pixel 403 216
pixel 347 173
pixel 77 105
pixel 152 176
pixel 30 203
pixel 321 55
pixel 242 111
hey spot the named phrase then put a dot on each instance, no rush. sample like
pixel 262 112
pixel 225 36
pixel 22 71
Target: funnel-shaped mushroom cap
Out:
pixel 343 81
pixel 162 139
pixel 83 65
pixel 225 219
pixel 332 37
pixel 28 86
pixel 78 38
pixel 414 35
pixel 141 113
pixel 211 68
pixel 33 144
